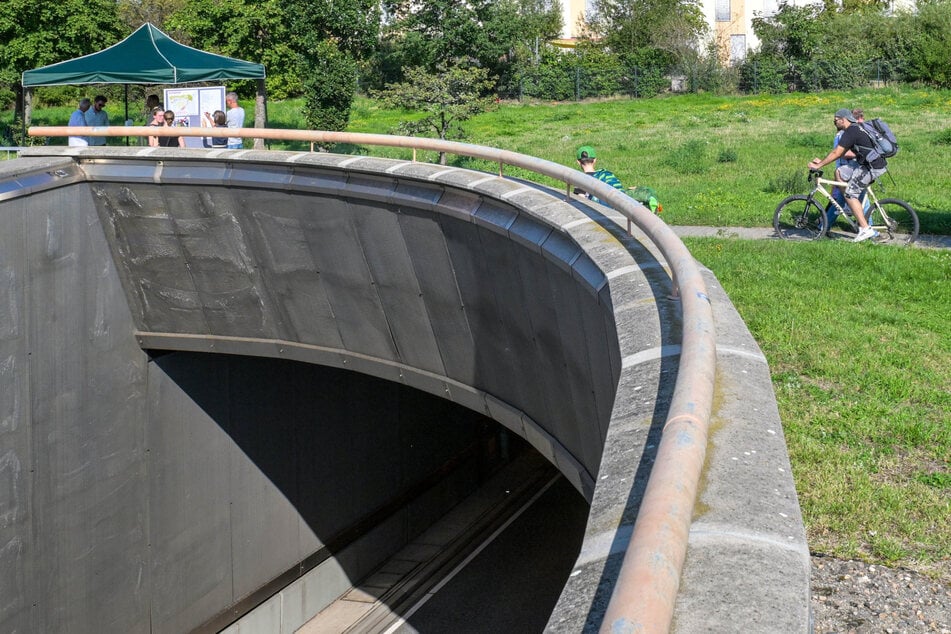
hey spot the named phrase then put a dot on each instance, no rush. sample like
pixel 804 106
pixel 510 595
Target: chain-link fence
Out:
pixel 560 82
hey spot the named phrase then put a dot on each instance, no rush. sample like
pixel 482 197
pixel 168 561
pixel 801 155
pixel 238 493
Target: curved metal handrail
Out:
pixel 647 585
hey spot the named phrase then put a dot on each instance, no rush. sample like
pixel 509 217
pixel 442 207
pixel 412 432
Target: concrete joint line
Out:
pixel 739 352
pixel 481 180
pixel 396 168
pixel 651 354
pixel 438 175
pixel 576 223
pixel 701 533
pixel 516 192
pixel 349 161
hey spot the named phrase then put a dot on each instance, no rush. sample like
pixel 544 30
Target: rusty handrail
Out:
pixel 646 589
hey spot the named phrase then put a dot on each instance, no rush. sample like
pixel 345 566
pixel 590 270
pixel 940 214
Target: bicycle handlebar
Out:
pixel 814 174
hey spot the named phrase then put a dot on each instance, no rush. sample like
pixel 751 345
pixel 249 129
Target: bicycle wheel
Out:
pixel 799 218
pixel 900 222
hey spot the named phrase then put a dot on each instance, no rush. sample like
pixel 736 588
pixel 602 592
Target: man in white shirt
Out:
pixel 97 117
pixel 78 119
pixel 235 119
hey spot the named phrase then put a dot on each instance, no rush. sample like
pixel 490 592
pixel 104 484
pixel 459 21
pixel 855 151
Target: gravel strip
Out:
pixel 854 597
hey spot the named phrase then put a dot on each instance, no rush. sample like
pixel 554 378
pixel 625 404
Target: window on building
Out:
pixel 737 48
pixel 723 11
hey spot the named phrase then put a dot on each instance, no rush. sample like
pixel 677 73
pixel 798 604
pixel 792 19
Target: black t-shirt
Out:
pixel 856 139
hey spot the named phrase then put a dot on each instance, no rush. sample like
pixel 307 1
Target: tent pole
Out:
pixel 260 112
pixel 27 112
pixel 127 110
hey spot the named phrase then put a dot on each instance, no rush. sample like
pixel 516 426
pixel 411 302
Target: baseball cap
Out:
pixel 844 113
pixel 586 151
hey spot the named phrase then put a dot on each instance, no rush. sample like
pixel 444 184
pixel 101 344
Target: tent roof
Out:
pixel 147 56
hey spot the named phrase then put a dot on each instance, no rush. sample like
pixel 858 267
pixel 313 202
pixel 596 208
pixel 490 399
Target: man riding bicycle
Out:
pixel 854 138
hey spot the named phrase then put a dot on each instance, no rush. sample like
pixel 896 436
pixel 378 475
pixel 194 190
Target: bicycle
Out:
pixel 806 217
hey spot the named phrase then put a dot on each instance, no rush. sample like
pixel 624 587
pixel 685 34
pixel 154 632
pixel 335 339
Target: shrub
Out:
pixel 789 183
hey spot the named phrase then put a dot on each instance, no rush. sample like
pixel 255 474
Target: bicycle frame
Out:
pixel 873 204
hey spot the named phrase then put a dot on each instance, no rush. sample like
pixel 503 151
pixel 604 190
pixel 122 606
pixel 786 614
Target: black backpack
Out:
pixel 884 144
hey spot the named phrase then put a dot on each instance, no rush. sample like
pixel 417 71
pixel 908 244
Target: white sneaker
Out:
pixel 864 234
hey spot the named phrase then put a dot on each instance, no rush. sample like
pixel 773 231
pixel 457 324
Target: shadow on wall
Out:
pixel 347 451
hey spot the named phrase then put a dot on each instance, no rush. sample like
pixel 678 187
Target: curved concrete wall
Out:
pixel 487 292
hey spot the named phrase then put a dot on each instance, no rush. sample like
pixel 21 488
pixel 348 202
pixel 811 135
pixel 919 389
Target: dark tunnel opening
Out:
pixel 352 452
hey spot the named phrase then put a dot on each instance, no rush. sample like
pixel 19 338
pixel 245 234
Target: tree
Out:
pixel 330 40
pixel 647 32
pixel 135 13
pixel 448 97
pixel 489 33
pixel 36 34
pixel 253 30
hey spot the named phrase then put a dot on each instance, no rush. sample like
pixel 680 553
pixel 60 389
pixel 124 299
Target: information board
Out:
pixel 190 104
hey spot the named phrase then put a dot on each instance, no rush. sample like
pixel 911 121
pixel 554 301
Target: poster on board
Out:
pixel 190 104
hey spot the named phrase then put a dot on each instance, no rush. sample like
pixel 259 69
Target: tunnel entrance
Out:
pixel 367 464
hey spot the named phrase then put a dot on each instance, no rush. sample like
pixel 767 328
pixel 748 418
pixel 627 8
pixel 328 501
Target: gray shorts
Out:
pixel 859 178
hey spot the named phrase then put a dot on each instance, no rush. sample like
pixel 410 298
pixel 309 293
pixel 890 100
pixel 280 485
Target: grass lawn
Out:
pixel 857 336
pixel 858 342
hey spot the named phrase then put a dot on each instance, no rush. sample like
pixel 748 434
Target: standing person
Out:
pixel 216 120
pixel 78 119
pixel 97 117
pixel 168 121
pixel 157 121
pixel 856 139
pixel 151 103
pixel 235 118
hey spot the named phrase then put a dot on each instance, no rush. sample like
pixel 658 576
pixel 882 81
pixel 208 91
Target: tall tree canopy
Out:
pixel 36 34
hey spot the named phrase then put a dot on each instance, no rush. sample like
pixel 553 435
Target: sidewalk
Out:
pixel 759 233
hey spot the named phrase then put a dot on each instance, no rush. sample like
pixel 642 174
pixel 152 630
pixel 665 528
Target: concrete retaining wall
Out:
pixel 490 293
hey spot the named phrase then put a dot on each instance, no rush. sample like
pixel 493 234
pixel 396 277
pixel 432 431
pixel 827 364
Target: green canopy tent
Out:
pixel 148 56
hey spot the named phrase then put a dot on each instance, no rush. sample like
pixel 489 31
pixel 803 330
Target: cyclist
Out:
pixel 862 176
pixel 848 160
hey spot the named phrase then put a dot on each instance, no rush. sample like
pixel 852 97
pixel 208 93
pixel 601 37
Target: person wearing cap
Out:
pixel 850 161
pixel 97 117
pixel 587 158
pixel 853 138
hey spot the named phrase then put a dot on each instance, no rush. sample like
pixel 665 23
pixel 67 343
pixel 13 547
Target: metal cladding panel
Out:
pixel 145 244
pixel 412 195
pixel 529 232
pixel 258 175
pixel 317 181
pixel 511 291
pixel 190 497
pixel 493 359
pixel 216 254
pixel 584 421
pixel 18 546
pixel 368 187
pixel 543 290
pixel 122 172
pixel 338 253
pixel 395 281
pixel 84 423
pixel 562 250
pixel 195 172
pixel 494 216
pixel 290 272
pixel 433 268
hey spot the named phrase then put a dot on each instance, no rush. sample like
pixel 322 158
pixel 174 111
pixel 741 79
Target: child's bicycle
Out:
pixel 805 217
